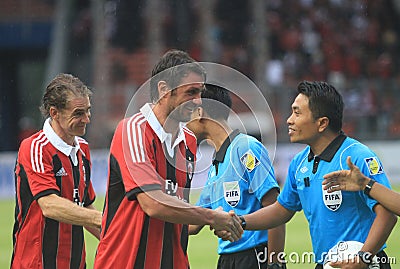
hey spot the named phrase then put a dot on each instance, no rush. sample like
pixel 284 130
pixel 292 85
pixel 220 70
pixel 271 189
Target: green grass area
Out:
pixel 202 247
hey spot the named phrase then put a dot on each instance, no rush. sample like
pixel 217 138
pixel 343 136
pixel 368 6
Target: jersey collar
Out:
pixel 220 155
pixel 164 137
pixel 60 144
pixel 331 149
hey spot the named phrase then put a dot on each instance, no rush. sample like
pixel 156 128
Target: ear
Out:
pixel 199 112
pixel 53 112
pixel 162 88
pixel 323 123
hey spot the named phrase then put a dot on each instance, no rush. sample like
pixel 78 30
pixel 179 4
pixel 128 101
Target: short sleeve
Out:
pixel 289 197
pixel 37 164
pixel 253 159
pixel 371 166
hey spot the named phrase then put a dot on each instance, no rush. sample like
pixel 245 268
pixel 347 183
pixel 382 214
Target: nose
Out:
pixel 197 100
pixel 86 117
pixel 289 120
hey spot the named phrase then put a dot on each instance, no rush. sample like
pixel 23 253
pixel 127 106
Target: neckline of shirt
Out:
pixel 60 144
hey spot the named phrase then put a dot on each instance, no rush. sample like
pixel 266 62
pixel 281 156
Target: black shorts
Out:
pixel 249 258
pixel 382 257
pixel 256 257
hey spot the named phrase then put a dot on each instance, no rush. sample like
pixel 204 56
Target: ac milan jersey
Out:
pixel 140 162
pixel 42 169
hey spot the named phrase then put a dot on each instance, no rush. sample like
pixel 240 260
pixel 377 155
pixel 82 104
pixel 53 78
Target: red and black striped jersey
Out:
pixel 139 163
pixel 42 169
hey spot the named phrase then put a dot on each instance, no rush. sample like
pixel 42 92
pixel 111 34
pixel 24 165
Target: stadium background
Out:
pixel 112 44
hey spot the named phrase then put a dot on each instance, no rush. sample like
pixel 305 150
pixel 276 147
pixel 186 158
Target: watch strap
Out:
pixel 242 222
pixel 368 187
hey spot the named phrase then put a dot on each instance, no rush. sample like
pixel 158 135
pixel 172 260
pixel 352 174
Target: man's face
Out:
pixel 303 128
pixel 186 98
pixel 74 117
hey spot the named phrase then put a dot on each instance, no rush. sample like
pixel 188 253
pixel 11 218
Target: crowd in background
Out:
pixel 351 44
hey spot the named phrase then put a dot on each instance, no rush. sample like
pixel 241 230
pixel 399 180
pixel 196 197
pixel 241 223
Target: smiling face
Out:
pixel 303 128
pixel 185 98
pixel 71 121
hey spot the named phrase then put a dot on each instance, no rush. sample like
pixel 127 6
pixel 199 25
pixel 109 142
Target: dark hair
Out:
pixel 172 67
pixel 324 101
pixel 216 101
pixel 59 91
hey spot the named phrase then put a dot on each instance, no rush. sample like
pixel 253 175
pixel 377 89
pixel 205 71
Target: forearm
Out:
pixel 95 231
pixel 159 205
pixel 386 197
pixel 66 211
pixel 276 242
pixel 268 217
pixel 380 230
pixel 194 229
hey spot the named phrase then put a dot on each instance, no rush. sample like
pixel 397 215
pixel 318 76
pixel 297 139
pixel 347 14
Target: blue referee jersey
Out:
pixel 240 176
pixel 337 216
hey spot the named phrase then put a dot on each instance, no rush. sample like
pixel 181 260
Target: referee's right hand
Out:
pixel 228 224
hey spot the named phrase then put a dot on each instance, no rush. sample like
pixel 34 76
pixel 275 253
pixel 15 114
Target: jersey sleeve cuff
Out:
pixel 45 193
pixel 131 195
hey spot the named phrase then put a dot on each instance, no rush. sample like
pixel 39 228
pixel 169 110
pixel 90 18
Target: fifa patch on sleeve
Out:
pixel 374 166
pixel 249 160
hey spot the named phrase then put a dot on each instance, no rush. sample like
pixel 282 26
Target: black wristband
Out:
pixel 368 187
pixel 242 222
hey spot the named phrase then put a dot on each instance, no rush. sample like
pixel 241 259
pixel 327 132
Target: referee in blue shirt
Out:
pixel 316 121
pixel 241 179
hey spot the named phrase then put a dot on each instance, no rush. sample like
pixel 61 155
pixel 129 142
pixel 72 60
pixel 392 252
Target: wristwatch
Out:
pixel 365 256
pixel 368 187
pixel 242 222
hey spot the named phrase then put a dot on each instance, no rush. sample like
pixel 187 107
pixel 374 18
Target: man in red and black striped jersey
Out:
pixel 54 193
pixel 151 165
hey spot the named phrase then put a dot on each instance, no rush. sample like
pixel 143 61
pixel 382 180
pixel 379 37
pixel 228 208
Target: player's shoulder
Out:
pixel 188 133
pixel 245 142
pixel 134 119
pixel 36 147
pixel 82 141
pixel 83 144
pixel 37 139
pixel 246 147
pixel 351 147
pixel 135 122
